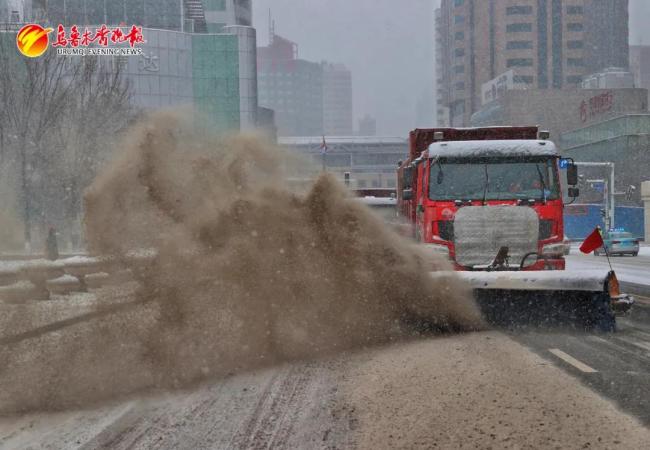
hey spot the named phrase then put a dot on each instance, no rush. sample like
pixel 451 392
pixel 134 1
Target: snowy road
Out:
pixel 629 269
pixel 496 389
pixel 481 390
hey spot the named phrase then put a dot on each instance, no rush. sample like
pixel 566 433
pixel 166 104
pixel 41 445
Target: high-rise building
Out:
pixel 547 44
pixel 189 15
pixel 12 11
pixel 640 65
pixel 292 87
pixel 606 34
pixel 442 62
pixel 162 14
pixel 337 100
pixel 185 60
pixel 219 13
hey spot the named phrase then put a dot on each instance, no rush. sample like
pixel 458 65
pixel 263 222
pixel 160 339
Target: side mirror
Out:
pixel 407 195
pixel 574 192
pixel 572 175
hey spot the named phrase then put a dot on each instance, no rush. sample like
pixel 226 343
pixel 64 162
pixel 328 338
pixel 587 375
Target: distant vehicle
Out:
pixel 567 246
pixel 619 243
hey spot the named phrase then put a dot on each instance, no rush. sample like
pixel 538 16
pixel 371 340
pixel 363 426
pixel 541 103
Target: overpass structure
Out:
pixel 371 161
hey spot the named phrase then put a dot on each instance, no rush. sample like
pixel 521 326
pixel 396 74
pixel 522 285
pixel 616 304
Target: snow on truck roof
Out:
pixel 487 149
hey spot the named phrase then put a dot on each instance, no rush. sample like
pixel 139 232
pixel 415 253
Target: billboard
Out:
pixel 494 89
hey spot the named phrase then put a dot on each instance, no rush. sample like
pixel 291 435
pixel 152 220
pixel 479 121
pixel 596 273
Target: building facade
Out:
pixel 292 87
pixel 12 11
pixel 337 100
pixel 640 65
pixel 544 42
pixel 219 13
pixel 203 16
pixel 443 90
pixel 623 140
pixel 214 72
pixel 606 34
pixel 561 110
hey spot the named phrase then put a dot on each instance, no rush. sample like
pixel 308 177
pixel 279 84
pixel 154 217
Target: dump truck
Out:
pixel 491 200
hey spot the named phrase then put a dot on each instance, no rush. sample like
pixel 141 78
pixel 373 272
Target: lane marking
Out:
pixel 571 360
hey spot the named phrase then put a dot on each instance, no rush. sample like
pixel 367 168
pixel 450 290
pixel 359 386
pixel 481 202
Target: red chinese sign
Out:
pixel 597 105
pixel 100 36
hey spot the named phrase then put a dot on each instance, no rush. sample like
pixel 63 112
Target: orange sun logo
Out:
pixel 32 40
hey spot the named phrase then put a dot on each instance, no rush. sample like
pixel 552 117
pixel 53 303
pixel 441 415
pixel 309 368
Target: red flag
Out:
pixel 593 242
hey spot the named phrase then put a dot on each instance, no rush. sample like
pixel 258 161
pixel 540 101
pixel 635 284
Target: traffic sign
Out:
pixel 564 163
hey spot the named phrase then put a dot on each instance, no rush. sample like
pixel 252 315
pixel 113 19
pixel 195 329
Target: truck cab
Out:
pixel 485 203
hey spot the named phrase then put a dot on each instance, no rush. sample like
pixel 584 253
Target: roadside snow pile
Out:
pixel 241 271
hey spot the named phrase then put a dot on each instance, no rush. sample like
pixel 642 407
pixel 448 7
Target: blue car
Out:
pixel 619 243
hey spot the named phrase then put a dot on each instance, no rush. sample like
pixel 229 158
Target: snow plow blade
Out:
pixel 586 300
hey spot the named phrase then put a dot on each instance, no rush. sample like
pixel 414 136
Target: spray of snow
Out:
pixel 249 271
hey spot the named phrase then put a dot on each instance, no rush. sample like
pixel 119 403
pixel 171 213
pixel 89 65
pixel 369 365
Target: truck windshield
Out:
pixel 493 180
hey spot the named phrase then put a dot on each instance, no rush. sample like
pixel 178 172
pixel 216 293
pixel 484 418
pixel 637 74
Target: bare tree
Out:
pixel 57 113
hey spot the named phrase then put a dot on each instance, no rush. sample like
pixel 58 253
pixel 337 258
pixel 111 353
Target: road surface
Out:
pixel 633 271
pixel 480 390
pixel 530 388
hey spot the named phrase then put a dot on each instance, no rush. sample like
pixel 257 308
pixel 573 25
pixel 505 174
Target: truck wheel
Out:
pixel 602 318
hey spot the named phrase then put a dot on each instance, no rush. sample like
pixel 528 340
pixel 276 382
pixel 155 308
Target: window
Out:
pixel 575 26
pixel 459 19
pixel 575 62
pixel 459 69
pixel 513 10
pixel 517 45
pixel 575 44
pixel 215 5
pixel 459 36
pixel 459 2
pixel 460 86
pixel 574 79
pixel 520 62
pixel 574 10
pixel 525 79
pixel 454 179
pixel 519 27
pixel 459 52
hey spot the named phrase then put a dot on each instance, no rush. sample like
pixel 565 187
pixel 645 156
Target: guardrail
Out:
pixel 40 279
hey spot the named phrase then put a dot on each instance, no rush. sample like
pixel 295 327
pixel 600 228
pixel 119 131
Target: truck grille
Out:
pixel 480 231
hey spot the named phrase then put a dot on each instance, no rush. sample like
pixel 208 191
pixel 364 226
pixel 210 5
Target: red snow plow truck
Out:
pixel 491 201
